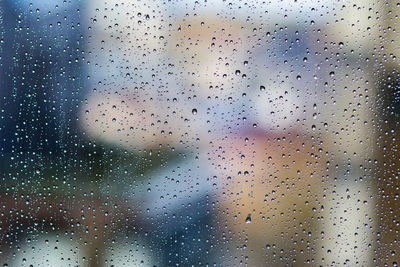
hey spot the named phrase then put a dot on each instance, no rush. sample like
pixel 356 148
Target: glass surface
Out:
pixel 199 133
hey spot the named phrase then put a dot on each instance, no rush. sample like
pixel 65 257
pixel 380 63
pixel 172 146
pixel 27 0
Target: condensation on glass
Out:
pixel 199 133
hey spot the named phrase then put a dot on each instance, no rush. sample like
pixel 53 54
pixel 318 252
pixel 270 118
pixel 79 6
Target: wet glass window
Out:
pixel 199 133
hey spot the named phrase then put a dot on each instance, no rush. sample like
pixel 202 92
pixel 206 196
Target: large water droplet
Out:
pixel 248 218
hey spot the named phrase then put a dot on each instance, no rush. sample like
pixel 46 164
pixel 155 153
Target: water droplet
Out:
pixel 248 218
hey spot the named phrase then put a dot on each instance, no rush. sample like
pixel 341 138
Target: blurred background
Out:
pixel 199 133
